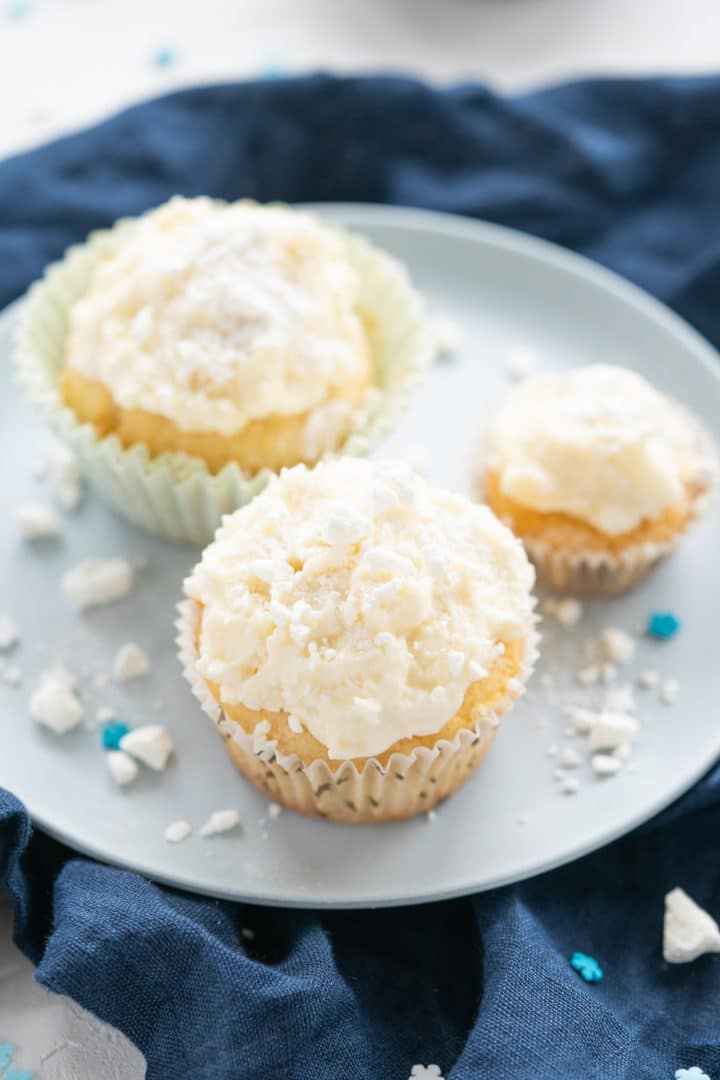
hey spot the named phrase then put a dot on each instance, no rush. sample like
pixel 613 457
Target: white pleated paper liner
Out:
pixel 408 784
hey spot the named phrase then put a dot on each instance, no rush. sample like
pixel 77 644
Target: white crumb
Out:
pixel 105 714
pixel 275 810
pixel 581 719
pixel 552 750
pixel 570 785
pixel 123 768
pixel 567 612
pixel 431 816
pixel 130 663
pixel 608 672
pixel 37 522
pixel 669 691
pixel 11 675
pixel 62 473
pixel 150 744
pixel 446 335
pixel 648 678
pixel 520 362
pixel 618 646
pixel 610 730
pixel 605 764
pixel 9 634
pixel 588 675
pixel 177 832
pixel 688 930
pixel 54 703
pixel 220 821
pixel 97 581
pixel 569 758
pixel 619 699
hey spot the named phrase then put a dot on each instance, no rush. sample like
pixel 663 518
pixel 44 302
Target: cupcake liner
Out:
pixel 174 494
pixel 408 784
pixel 595 573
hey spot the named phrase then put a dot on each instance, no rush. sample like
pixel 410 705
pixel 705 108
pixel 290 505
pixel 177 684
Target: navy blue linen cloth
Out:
pixel 626 172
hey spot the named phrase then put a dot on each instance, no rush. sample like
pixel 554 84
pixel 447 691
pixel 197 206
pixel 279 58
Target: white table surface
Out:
pixel 65 63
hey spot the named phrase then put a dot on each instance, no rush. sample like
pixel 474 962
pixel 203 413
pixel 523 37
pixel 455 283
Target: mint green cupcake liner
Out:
pixel 175 495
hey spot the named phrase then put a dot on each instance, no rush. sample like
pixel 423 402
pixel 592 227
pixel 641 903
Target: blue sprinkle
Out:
pixel 270 69
pixel 163 58
pixel 586 966
pixel 17 1074
pixel 6 1055
pixel 18 9
pixel 112 734
pixel 663 625
pixel 693 1073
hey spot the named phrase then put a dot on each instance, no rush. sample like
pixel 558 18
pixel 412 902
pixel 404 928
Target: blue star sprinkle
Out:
pixel 6 1055
pixel 663 625
pixel 113 733
pixel 587 967
pixel 18 9
pixel 164 58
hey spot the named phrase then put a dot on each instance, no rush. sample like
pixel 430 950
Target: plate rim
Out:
pixel 597 276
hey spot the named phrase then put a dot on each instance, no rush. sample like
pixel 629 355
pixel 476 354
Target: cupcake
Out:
pixel 189 355
pixel 599 474
pixel 356 635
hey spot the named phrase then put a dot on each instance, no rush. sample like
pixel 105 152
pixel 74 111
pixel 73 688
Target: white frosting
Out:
pixel 599 444
pixel 360 601
pixel 214 315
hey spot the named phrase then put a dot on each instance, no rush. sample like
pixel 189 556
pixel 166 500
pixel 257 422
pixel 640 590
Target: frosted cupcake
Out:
pixel 356 636
pixel 189 355
pixel 599 475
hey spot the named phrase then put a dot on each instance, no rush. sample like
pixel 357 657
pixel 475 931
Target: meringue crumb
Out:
pixel 688 930
pixel 588 675
pixel 130 663
pixel 177 832
pixel 570 785
pixel 605 764
pixel 275 810
pixel 567 612
pixel 97 581
pixel 9 634
pixel 54 703
pixel 618 645
pixel 105 713
pixel 669 691
pixel 569 758
pixel 648 678
pixel 446 335
pixel 431 816
pixel 520 362
pixel 150 744
pixel 123 768
pixel 62 473
pixel 221 821
pixel 11 675
pixel 37 522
